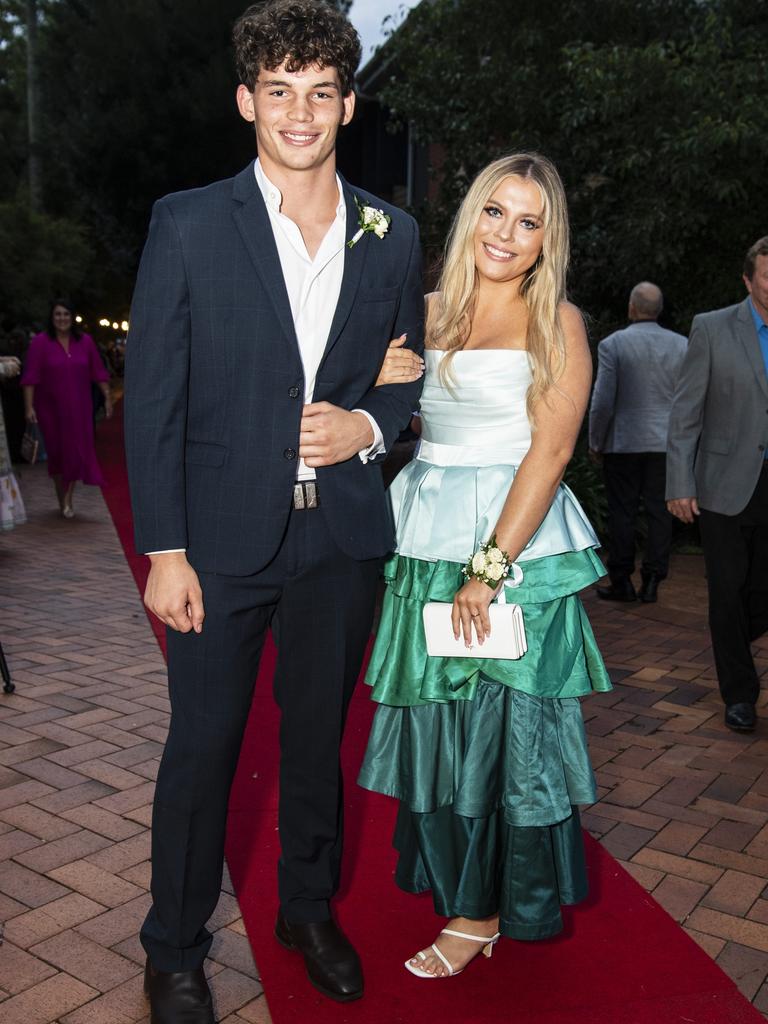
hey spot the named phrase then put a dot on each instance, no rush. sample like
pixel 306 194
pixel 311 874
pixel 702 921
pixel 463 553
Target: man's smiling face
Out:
pixel 297 115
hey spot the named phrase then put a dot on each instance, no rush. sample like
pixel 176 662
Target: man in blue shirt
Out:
pixel 717 469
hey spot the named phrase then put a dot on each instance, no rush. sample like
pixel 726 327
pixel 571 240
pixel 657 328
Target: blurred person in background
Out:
pixel 637 370
pixel 14 343
pixel 61 364
pixel 11 506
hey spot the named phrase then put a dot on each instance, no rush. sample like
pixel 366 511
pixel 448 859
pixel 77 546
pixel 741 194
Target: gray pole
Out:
pixel 35 184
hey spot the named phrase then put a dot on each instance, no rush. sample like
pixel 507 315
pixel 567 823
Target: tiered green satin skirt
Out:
pixel 488 758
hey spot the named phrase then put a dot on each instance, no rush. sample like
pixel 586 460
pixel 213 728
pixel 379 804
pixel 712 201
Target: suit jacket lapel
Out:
pixel 252 220
pixel 354 261
pixel 745 329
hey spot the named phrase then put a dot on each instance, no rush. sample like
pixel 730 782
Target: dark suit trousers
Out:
pixel 319 603
pixel 736 556
pixel 630 477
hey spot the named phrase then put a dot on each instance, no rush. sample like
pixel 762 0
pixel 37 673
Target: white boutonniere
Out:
pixel 369 219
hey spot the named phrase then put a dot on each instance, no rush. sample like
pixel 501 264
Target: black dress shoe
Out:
pixel 332 964
pixel 650 588
pixel 621 589
pixel 183 996
pixel 740 717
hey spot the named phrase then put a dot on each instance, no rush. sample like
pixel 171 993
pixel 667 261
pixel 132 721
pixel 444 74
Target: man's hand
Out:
pixel 173 592
pixel 685 509
pixel 330 435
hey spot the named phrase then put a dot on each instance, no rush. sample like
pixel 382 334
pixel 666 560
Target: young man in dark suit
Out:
pixel 263 310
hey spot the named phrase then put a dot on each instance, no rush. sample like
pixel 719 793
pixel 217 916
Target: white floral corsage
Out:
pixel 370 219
pixel 489 564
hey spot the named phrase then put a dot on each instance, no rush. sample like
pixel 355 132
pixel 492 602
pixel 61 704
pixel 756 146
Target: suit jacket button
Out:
pixel 294 392
pixel 289 453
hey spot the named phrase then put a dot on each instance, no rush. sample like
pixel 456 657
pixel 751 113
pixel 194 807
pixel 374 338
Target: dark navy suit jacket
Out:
pixel 214 380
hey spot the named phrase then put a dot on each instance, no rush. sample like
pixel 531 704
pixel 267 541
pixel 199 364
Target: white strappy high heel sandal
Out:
pixel 488 944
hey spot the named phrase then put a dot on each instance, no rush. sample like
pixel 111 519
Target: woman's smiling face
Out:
pixel 509 235
pixel 62 319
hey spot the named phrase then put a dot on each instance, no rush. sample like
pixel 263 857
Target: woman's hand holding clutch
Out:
pixel 401 365
pixel 470 610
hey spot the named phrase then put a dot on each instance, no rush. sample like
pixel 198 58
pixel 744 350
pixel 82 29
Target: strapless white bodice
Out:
pixel 481 415
pixel 475 434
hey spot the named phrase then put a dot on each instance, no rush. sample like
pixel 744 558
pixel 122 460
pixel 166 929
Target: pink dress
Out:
pixel 63 403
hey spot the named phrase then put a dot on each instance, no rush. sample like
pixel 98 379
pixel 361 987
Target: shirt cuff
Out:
pixel 165 551
pixel 377 447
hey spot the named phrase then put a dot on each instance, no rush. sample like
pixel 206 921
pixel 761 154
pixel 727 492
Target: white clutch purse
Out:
pixel 507 639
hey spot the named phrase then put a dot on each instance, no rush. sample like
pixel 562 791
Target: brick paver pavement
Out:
pixel 79 747
pixel 684 802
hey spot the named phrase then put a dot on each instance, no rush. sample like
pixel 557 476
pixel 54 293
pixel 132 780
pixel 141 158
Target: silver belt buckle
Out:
pixel 305 495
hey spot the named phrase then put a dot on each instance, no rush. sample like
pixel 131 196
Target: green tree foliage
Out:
pixel 137 100
pixel 654 110
pixel 13 131
pixel 42 257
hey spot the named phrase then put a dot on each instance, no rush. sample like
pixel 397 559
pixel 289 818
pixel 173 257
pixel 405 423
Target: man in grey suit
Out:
pixel 716 469
pixel 636 375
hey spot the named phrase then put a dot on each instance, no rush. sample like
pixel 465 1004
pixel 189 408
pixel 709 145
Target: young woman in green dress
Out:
pixel 488 757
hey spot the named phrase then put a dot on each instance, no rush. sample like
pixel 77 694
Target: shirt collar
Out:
pixel 760 324
pixel 274 198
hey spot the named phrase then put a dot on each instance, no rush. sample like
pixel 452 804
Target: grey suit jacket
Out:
pixel 637 370
pixel 718 429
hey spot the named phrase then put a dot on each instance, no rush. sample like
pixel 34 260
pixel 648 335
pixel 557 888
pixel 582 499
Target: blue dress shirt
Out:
pixel 762 336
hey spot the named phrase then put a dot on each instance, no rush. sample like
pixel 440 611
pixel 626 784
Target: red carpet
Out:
pixel 621 960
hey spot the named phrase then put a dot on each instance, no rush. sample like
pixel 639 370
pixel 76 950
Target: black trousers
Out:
pixel 630 477
pixel 320 604
pixel 736 557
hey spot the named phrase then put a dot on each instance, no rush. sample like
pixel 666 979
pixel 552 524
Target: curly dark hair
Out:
pixel 299 32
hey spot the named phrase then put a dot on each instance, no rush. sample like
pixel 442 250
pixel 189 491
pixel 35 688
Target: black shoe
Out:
pixel 740 717
pixel 181 996
pixel 621 589
pixel 332 964
pixel 650 587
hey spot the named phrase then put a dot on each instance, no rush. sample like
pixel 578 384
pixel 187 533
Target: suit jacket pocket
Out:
pixel 203 453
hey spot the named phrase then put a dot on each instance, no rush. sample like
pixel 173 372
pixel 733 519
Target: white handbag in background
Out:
pixel 507 639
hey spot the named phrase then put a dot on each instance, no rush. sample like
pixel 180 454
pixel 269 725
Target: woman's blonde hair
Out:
pixel 543 288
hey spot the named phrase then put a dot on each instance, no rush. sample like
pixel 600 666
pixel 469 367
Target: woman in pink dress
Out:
pixel 61 364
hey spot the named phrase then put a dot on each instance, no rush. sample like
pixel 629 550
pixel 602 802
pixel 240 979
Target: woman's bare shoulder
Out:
pixel 570 315
pixel 431 300
pixel 573 324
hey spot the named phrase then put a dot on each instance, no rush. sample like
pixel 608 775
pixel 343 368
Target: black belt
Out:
pixel 305 494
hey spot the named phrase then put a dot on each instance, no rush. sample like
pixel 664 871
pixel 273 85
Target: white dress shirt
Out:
pixel 313 287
